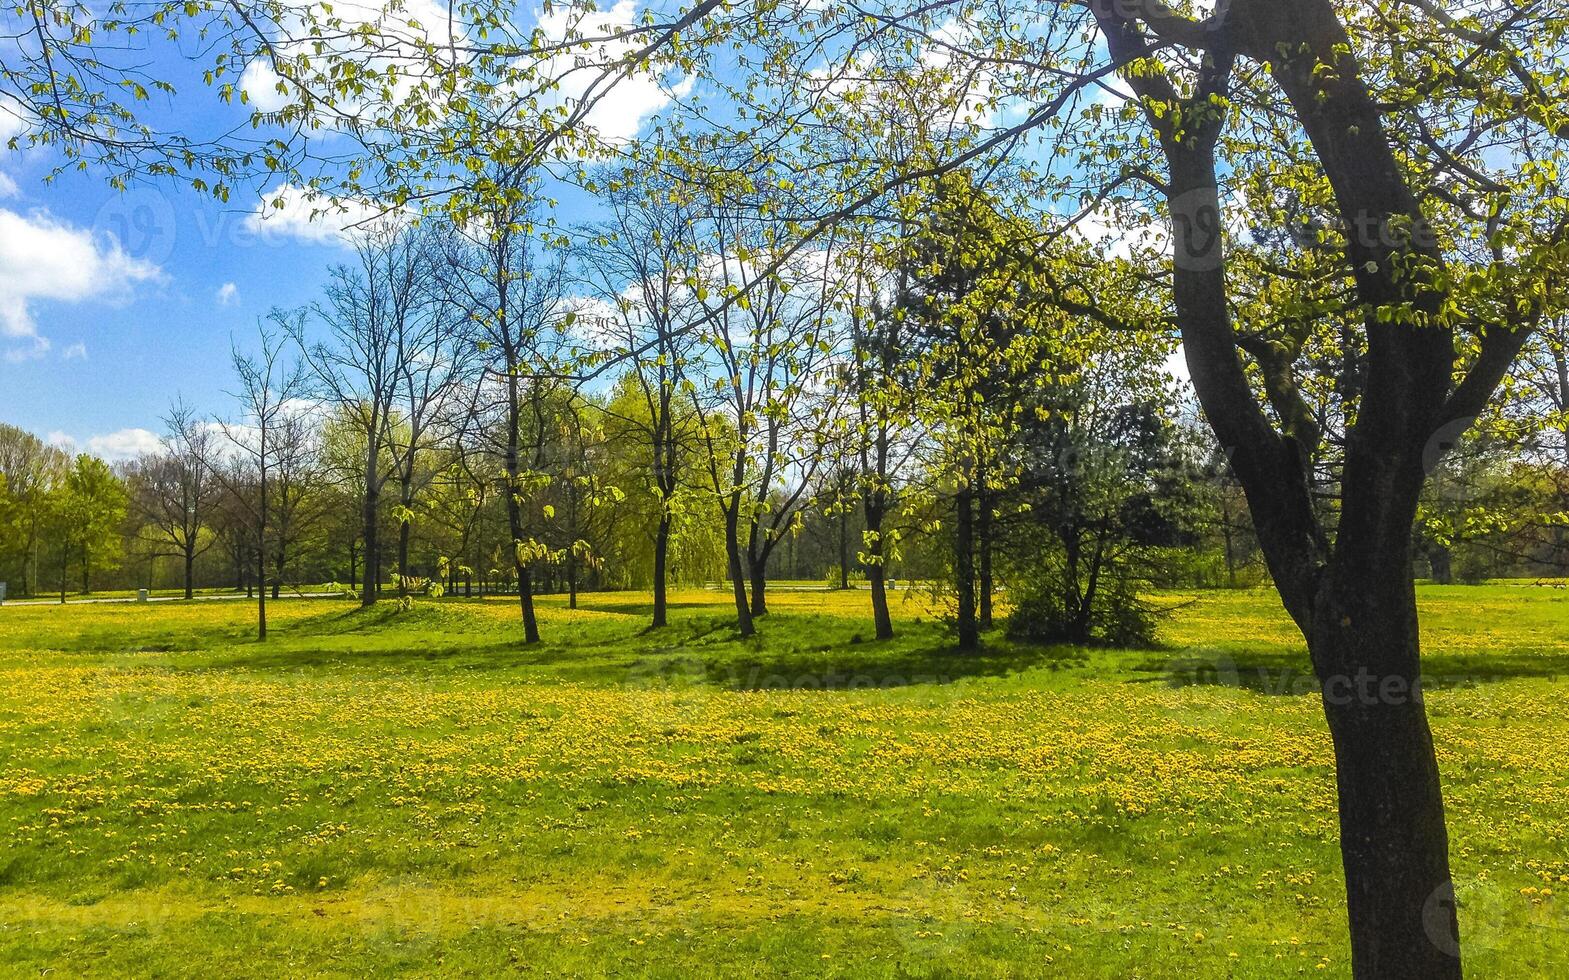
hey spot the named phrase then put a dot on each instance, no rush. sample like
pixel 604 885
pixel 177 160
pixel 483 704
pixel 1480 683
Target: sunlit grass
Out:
pixel 420 793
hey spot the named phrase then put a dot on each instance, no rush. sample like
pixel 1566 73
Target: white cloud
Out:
pixel 8 186
pixel 122 445
pixel 11 122
pixel 621 111
pixel 391 39
pixel 288 211
pixel 260 84
pixel 111 447
pixel 42 258
pixel 228 293
pixel 75 352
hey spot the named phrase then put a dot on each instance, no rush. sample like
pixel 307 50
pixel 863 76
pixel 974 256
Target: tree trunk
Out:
pixel 984 532
pixel 964 569
pixel 876 577
pixel 743 611
pixel 261 594
pixel 874 505
pixel 370 529
pixel 1441 560
pixel 759 587
pixel 526 604
pixel 190 562
pixel 1393 841
pixel 757 569
pixel 661 550
pixel 844 547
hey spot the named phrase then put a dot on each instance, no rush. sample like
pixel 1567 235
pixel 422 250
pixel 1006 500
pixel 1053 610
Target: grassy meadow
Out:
pixel 416 793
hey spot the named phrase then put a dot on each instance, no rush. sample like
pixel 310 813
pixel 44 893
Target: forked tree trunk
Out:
pixel 1354 600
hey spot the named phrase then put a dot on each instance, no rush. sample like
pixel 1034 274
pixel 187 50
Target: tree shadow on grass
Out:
pixel 801 651
pixel 1286 671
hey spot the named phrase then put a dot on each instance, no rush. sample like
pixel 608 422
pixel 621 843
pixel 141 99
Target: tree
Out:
pixel 514 302
pixel 266 441
pixel 173 490
pixel 89 510
pixel 762 422
pixel 636 268
pixel 33 472
pixel 1415 140
pixel 374 316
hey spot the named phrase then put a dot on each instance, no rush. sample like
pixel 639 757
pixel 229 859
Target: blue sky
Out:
pixel 112 304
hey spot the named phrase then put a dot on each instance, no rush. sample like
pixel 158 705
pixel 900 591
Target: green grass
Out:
pixel 417 793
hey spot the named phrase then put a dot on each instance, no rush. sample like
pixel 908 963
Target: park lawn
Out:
pixel 416 793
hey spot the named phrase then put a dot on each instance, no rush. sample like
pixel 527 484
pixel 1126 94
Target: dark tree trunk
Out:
pixel 844 547
pixel 876 577
pixel 757 569
pixel 877 564
pixel 983 529
pixel 964 570
pixel 759 588
pixel 743 611
pixel 261 594
pixel 402 541
pixel 1442 562
pixel 370 530
pixel 526 604
pixel 525 578
pixel 190 563
pixel 661 551
pixel 1393 840
pixel 354 566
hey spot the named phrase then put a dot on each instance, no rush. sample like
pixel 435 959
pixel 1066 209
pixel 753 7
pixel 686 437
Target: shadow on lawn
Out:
pixel 1288 672
pixel 804 652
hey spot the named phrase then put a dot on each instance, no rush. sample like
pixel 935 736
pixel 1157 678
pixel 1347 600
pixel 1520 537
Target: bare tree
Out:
pixel 762 429
pixel 263 437
pixel 358 367
pixel 638 268
pixel 173 490
pixel 514 301
pixel 434 350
